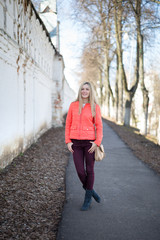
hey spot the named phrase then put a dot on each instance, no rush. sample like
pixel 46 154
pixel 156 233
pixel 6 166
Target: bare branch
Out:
pixel 155 1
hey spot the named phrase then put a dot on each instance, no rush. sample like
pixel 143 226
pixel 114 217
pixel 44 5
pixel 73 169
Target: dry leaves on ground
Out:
pixel 32 190
pixel 146 150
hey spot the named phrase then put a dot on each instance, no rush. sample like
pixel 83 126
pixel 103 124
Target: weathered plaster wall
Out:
pixel 31 79
pixel 68 97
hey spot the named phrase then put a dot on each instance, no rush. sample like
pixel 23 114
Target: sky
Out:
pixel 71 42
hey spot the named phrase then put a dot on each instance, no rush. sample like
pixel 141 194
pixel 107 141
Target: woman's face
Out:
pixel 85 91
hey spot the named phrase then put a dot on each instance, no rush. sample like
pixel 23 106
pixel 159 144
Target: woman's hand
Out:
pixel 93 148
pixel 69 145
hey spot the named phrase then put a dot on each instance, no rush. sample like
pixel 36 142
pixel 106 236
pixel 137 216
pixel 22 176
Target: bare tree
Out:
pixel 106 15
pixel 155 1
pixel 96 16
pixel 122 85
pixel 121 73
pixel 137 10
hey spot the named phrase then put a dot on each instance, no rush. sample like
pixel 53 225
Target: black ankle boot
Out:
pixel 87 200
pixel 96 197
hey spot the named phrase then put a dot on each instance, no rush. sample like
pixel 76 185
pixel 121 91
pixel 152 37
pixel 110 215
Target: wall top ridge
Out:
pixel 26 3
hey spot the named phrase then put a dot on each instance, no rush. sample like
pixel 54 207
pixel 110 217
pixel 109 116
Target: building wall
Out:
pixel 48 14
pixel 31 77
pixel 68 97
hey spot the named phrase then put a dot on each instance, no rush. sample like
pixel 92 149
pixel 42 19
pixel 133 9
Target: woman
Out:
pixel 82 118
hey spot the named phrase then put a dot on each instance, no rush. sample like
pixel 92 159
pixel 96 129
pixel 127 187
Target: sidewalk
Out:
pixel 130 192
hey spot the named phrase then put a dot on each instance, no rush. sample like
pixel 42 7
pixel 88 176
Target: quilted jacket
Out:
pixel 82 126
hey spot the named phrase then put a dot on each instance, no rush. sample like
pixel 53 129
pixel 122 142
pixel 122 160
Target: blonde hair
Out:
pixel 92 98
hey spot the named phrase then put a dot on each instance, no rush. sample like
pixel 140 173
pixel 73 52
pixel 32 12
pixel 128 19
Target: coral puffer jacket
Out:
pixel 82 126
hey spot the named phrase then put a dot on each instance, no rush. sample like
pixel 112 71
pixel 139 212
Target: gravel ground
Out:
pixel 144 149
pixel 32 190
pixel 32 187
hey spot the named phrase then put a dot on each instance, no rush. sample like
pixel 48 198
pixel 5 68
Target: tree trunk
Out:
pixel 145 108
pixel 118 31
pixel 143 88
pixel 106 46
pixel 116 91
pixel 101 87
pixel 131 92
pixel 141 70
pixel 107 90
pixel 128 104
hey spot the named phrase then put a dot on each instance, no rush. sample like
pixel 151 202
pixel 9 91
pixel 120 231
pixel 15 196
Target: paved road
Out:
pixel 130 192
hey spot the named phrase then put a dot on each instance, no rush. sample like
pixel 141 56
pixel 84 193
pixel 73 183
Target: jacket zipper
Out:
pixel 80 120
pixel 80 123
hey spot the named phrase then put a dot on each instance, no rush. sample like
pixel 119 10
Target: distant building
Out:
pixel 48 14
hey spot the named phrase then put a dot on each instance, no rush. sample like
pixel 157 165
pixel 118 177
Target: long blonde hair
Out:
pixel 92 98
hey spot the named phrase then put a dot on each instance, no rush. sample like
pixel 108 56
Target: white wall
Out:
pixel 68 97
pixel 30 79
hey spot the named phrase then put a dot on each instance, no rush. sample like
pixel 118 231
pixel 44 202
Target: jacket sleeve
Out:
pixel 68 125
pixel 98 125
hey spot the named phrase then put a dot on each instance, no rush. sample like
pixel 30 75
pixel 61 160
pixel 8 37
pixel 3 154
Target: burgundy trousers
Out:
pixel 84 162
